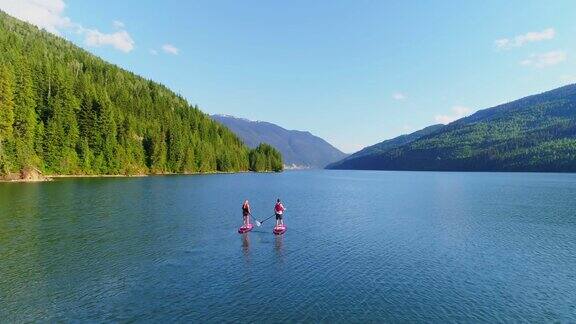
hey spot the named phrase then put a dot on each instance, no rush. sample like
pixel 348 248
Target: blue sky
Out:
pixel 353 72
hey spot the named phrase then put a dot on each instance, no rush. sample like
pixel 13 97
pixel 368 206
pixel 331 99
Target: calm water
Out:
pixel 360 246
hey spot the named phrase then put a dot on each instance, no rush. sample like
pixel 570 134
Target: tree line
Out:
pixel 66 111
pixel 536 133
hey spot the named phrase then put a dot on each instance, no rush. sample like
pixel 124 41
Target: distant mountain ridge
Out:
pixel 364 157
pixel 300 149
pixel 535 133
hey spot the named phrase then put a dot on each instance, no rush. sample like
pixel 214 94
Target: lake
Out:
pixel 361 246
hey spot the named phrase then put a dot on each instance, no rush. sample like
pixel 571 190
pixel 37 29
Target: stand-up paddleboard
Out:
pixel 279 229
pixel 245 228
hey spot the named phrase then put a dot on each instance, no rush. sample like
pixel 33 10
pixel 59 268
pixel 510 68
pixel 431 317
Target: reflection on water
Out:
pixel 245 243
pixel 278 245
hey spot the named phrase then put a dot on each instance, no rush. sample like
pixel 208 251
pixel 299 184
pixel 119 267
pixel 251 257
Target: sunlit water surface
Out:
pixel 360 246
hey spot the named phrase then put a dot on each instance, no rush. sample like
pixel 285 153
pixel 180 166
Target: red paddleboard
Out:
pixel 279 229
pixel 245 228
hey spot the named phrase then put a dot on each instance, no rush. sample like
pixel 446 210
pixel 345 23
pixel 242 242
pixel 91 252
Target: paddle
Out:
pixel 259 223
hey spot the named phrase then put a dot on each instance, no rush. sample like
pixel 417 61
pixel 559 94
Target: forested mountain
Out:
pixel 536 133
pixel 66 111
pixel 298 148
pixel 364 157
pixel 266 158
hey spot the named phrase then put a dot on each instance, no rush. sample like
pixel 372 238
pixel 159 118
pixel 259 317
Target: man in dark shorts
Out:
pixel 279 211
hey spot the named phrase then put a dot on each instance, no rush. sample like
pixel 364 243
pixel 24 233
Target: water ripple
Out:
pixel 361 247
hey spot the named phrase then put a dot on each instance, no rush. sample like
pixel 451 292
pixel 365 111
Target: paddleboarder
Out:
pixel 279 211
pixel 246 212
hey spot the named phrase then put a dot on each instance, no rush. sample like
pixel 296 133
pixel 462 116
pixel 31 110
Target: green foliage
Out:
pixel 65 111
pixel 7 89
pixel 365 156
pixel 265 158
pixel 24 126
pixel 536 133
pixel 6 115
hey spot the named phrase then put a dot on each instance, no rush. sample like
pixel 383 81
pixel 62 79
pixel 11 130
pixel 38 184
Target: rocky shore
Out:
pixel 25 175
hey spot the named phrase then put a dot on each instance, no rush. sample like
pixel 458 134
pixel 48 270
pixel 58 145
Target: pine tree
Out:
pixel 6 101
pixel 6 115
pixel 63 110
pixel 25 117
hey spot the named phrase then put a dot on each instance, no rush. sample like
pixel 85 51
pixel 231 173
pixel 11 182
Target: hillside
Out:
pixel 536 133
pixel 364 157
pixel 298 148
pixel 66 111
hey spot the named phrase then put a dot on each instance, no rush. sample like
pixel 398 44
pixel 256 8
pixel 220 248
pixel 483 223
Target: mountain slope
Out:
pixel 298 148
pixel 66 111
pixel 364 157
pixel 536 133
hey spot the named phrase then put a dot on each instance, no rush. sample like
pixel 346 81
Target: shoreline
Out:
pixel 25 180
pixel 56 176
pixel 48 178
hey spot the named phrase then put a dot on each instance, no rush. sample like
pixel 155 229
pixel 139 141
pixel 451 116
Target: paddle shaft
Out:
pixel 262 221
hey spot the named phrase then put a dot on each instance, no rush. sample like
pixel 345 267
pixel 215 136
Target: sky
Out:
pixel 353 72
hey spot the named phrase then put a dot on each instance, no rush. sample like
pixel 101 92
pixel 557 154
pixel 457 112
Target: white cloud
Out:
pixel 520 40
pixel 166 48
pixel 170 49
pixel 120 40
pixel 46 14
pixel 502 43
pixel 398 96
pixel 118 24
pixel 457 113
pixel 545 59
pixel 49 15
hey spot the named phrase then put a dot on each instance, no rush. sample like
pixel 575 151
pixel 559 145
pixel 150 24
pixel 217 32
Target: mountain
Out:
pixel 536 133
pixel 66 111
pixel 363 158
pixel 299 149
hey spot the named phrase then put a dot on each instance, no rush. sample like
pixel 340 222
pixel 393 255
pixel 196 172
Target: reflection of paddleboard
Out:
pixel 279 229
pixel 245 228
